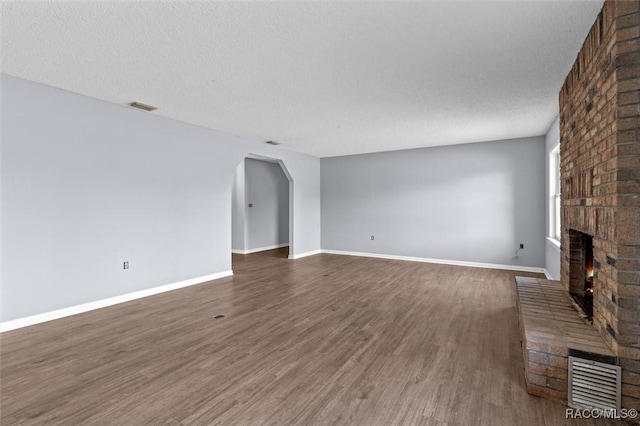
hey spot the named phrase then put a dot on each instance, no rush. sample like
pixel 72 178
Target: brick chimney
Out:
pixel 600 179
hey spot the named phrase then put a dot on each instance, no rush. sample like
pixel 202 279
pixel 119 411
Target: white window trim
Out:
pixel 554 243
pixel 554 196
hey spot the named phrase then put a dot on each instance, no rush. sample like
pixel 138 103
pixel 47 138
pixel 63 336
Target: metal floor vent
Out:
pixel 594 384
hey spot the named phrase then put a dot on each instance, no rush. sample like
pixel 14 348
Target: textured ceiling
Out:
pixel 325 78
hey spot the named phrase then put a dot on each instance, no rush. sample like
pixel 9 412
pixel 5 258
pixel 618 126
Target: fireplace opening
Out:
pixel 582 275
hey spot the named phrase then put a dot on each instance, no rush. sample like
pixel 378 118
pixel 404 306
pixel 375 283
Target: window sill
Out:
pixel 554 243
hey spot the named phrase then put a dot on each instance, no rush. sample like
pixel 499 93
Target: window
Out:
pixel 554 191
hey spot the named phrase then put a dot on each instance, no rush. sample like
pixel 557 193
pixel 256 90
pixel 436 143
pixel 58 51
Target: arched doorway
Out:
pixel 262 206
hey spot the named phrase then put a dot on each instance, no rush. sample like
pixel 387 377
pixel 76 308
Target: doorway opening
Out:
pixel 262 204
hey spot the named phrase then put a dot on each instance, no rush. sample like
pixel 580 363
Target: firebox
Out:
pixel 581 271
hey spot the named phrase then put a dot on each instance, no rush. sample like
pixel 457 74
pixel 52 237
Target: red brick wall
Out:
pixel 600 174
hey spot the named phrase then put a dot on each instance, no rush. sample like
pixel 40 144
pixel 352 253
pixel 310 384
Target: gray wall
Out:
pixel 472 202
pixel 87 185
pixel 267 190
pixel 551 247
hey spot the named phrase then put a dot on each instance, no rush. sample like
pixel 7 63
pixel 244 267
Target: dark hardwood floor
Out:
pixel 320 340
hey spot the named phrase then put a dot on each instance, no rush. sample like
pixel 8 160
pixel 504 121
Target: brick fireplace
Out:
pixel 600 179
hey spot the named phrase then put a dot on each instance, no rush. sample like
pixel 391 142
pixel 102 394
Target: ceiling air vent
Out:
pixel 594 384
pixel 142 106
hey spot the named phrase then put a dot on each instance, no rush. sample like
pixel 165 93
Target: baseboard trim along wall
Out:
pixel 305 254
pixel 441 261
pixel 103 303
pixel 547 274
pixel 85 307
pixel 256 250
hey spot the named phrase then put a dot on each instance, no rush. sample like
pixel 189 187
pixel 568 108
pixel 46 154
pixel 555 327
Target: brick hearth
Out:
pixel 551 331
pixel 600 176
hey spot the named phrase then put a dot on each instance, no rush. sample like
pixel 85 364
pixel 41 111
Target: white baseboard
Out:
pixel 305 254
pixel 85 307
pixel 441 261
pixel 426 260
pixel 256 250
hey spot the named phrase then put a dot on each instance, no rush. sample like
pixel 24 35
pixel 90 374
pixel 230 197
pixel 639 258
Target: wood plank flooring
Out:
pixel 321 340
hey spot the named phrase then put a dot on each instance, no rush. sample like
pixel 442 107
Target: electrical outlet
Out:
pixel 125 265
pixel 521 245
pixel 373 237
